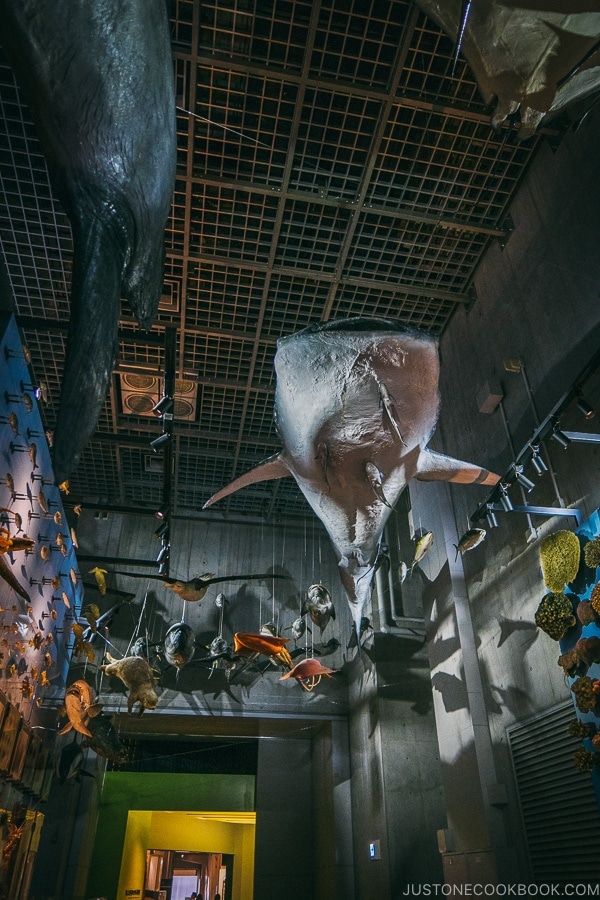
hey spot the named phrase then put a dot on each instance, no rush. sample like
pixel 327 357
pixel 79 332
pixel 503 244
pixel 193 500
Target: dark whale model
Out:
pixel 98 77
pixel 355 404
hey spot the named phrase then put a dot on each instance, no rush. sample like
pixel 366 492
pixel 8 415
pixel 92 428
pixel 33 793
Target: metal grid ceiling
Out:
pixel 329 164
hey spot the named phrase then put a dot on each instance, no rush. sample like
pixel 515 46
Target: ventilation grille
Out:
pixel 140 393
pixel 558 804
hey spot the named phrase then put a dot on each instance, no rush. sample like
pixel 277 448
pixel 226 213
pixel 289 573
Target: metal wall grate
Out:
pixel 558 804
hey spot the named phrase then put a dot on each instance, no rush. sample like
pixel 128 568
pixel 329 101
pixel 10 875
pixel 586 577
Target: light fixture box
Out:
pixel 489 396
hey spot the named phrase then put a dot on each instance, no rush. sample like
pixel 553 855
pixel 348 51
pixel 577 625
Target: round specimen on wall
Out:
pixel 554 615
pixel 585 760
pixel 580 729
pixel 591 553
pixel 585 612
pixel 571 663
pixel 559 554
pixel 586 697
pixel 588 650
pixel 595 598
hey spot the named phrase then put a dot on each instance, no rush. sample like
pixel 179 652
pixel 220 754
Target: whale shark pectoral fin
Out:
pixel 437 467
pixel 270 469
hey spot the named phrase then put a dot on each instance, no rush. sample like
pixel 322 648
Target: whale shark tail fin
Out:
pixel 437 467
pixel 272 468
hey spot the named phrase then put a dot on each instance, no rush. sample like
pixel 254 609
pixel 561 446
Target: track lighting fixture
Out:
pixel 537 460
pixel 162 568
pixel 584 407
pixel 163 529
pixel 523 480
pixel 507 504
pixel 492 518
pixel 163 511
pixel 160 441
pixel 164 407
pixel 163 553
pixel 560 437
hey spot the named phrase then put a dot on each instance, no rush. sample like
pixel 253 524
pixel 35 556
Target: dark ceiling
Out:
pixel 330 164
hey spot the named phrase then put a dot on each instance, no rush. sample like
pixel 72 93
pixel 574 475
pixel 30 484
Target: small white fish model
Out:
pixel 402 572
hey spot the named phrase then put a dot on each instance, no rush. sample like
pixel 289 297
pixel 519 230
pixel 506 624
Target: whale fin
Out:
pixel 437 467
pixel 272 468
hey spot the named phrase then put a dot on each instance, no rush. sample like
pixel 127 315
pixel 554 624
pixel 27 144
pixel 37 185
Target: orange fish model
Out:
pixel 80 706
pixel 248 644
pixel 308 673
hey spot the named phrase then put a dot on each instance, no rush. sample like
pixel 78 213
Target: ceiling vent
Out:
pixel 140 393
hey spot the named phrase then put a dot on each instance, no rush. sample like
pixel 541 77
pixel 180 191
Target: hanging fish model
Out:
pixel 179 645
pixel 470 539
pixel 424 544
pixel 328 395
pixel 99 574
pixel 298 627
pixel 80 706
pixel 319 605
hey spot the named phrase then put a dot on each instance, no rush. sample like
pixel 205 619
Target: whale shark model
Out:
pixel 356 402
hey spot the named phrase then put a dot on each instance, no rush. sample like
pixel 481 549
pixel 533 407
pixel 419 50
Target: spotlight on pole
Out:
pixel 537 460
pixel 159 442
pixel 584 407
pixel 163 553
pixel 507 504
pixel 523 480
pixel 560 437
pixel 492 518
pixel 163 511
pixel 164 406
pixel 162 529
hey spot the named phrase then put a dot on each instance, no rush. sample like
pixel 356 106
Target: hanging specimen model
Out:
pixel 136 675
pixel 249 644
pixel 308 673
pixel 356 403
pixel 98 78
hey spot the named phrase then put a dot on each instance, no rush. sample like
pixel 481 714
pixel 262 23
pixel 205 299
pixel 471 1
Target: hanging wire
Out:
pixel 273 580
pixel 136 630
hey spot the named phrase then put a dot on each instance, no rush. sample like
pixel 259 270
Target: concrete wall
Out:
pixel 285 848
pixel 537 299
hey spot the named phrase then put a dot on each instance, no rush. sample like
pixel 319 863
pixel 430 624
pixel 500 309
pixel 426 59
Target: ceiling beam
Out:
pixel 384 116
